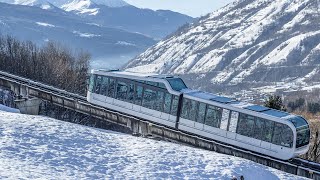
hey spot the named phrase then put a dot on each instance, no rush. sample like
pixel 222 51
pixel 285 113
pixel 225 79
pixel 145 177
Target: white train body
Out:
pixel 166 100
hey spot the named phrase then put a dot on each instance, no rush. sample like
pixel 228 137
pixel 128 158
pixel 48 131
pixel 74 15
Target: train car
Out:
pixel 166 100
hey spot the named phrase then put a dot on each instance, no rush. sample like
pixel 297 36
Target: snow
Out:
pixel 81 6
pixel 45 24
pixel 45 6
pixel 33 147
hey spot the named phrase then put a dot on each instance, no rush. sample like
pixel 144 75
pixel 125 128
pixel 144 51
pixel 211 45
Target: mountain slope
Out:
pixel 33 147
pixel 247 43
pixel 157 24
pixel 39 25
pixel 116 14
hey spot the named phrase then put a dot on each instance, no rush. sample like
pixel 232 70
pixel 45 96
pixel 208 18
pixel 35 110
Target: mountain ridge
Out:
pixel 246 42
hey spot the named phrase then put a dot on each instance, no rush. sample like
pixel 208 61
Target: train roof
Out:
pixel 238 104
pixel 133 74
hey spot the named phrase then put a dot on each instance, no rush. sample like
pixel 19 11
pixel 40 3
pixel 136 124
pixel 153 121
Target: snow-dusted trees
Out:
pixel 52 63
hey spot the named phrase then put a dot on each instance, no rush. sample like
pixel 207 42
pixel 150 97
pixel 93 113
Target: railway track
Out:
pixel 303 167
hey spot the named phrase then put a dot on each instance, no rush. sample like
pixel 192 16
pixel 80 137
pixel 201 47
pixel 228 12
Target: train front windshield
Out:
pixel 303 131
pixel 177 84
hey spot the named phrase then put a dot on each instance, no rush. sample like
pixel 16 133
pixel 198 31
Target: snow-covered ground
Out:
pixel 33 147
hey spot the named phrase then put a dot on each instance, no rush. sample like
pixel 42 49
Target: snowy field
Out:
pixel 33 147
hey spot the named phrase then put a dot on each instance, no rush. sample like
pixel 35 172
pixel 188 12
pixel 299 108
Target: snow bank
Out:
pixel 38 147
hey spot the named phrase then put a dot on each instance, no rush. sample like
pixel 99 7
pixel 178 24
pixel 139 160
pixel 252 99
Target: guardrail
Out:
pixel 144 127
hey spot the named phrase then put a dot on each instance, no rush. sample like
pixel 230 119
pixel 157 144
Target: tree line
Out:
pixel 52 63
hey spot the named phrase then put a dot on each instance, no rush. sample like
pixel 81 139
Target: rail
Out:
pixel 79 103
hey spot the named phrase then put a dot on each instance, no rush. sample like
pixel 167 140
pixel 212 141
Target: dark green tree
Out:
pixel 314 108
pixel 275 102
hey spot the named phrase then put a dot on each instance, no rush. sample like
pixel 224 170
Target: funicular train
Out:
pixel 166 100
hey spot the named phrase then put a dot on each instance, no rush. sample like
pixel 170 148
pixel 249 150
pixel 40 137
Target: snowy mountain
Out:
pixel 248 43
pixel 60 3
pixel 42 25
pixel 116 14
pixel 33 147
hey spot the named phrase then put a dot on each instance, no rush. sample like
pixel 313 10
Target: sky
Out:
pixel 194 8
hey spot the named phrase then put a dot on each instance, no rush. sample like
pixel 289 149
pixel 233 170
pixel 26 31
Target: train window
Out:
pixel 122 89
pixel 92 82
pixel 149 98
pixel 162 86
pixel 111 87
pixel 167 103
pixel 282 135
pixel 158 105
pixel 233 121
pixel 193 110
pixel 225 119
pixel 104 85
pixel 201 113
pixel 303 136
pixel 152 83
pixel 303 131
pixel 174 105
pixel 246 125
pixel 185 108
pixel 177 84
pixel 258 131
pixel 138 98
pixel 98 85
pixel 131 93
pixel 268 131
pixel 213 116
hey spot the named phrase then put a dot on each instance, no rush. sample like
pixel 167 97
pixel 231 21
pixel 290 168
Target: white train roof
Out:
pixel 132 74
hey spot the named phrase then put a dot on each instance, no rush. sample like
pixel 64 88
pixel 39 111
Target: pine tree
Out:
pixel 275 102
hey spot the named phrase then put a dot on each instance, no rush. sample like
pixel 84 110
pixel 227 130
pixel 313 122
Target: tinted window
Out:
pixel 167 103
pixel 161 85
pixel 152 83
pixel 259 128
pixel 268 131
pixel 105 81
pixel 149 98
pixel 131 93
pixel 189 109
pixel 303 131
pixel 201 113
pixel 193 110
pixel 122 89
pixel 138 95
pixel 282 135
pixel 98 84
pixel 177 84
pixel 303 136
pixel 246 125
pixel 92 82
pixel 111 87
pixel 174 105
pixel 158 105
pixel 213 116
pixel 185 108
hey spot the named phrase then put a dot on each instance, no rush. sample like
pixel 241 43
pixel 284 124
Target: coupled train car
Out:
pixel 166 100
